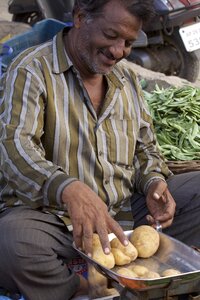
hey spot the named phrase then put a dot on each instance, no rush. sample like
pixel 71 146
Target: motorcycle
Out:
pixel 33 11
pixel 173 37
pixel 173 40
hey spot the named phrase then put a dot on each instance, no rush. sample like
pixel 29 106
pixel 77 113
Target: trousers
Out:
pixel 35 246
pixel 34 249
pixel 185 189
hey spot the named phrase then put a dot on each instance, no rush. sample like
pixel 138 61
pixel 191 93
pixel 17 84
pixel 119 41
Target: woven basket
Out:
pixel 180 166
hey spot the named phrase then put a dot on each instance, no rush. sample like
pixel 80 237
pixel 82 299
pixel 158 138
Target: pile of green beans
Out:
pixel 176 118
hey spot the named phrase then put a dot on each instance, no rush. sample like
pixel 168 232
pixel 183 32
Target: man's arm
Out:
pixel 152 172
pixel 23 157
pixel 149 162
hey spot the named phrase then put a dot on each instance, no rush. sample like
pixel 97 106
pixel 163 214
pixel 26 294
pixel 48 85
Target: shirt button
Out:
pixel 112 112
pixel 128 167
pixel 100 153
pixel 106 181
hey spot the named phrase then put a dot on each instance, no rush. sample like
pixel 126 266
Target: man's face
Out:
pixel 105 39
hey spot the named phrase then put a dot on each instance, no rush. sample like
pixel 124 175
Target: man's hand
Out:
pixel 89 214
pixel 160 204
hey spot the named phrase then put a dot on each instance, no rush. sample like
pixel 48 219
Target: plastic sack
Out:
pixel 41 32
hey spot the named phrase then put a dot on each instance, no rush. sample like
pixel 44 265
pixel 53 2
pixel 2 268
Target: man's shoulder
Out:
pixel 28 56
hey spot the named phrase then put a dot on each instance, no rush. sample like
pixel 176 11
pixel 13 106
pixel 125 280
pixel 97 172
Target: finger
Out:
pixel 164 198
pixel 118 231
pixel 166 223
pixel 165 219
pixel 159 189
pixel 156 196
pixel 163 216
pixel 87 239
pixel 104 239
pixel 77 235
pixel 150 219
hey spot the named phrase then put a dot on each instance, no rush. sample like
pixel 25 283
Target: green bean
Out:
pixel 176 117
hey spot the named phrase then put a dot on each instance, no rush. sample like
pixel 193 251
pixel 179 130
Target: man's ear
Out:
pixel 78 19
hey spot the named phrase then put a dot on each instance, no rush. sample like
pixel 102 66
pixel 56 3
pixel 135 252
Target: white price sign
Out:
pixel 191 36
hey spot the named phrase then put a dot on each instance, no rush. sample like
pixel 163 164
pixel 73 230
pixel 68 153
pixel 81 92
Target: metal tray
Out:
pixel 171 254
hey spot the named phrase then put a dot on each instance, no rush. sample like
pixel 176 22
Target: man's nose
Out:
pixel 119 49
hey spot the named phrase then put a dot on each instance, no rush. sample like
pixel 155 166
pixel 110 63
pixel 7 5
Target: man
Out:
pixel 76 140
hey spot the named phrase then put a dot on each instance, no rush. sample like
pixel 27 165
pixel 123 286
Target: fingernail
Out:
pixel 107 250
pixel 126 242
pixel 156 196
pixel 148 218
pixel 89 254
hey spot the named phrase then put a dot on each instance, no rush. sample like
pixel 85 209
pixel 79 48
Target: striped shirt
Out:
pixel 50 135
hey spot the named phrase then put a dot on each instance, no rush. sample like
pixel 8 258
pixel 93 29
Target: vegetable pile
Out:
pixel 176 117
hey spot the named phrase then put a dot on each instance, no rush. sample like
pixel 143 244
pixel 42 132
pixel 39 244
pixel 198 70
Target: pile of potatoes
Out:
pixel 143 243
pixel 140 271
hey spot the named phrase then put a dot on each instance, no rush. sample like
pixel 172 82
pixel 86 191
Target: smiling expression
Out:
pixel 103 40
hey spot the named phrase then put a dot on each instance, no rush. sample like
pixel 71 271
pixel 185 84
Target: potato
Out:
pixel 126 272
pixel 170 272
pixel 98 285
pixel 120 257
pixel 146 240
pixel 151 275
pixel 139 270
pixel 106 260
pixel 151 264
pixel 128 250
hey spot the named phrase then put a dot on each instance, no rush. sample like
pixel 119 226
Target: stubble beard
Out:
pixel 91 64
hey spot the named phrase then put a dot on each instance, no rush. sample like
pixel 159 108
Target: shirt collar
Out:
pixel 61 61
pixel 116 76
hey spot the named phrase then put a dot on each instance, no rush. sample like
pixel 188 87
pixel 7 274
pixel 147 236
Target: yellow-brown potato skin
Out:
pixel 128 250
pixel 146 240
pixel 139 270
pixel 170 272
pixel 126 272
pixel 95 241
pixel 121 258
pixel 151 275
pixel 106 260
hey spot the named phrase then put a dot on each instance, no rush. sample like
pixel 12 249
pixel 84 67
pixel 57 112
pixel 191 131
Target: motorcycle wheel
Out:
pixel 170 58
pixel 9 29
pixel 28 18
pixel 187 65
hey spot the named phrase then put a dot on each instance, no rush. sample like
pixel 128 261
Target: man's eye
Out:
pixel 128 43
pixel 111 37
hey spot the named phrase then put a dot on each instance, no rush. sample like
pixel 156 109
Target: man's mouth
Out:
pixel 108 58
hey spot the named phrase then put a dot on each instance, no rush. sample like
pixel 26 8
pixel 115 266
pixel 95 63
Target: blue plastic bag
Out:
pixel 5 50
pixel 39 33
pixel 7 298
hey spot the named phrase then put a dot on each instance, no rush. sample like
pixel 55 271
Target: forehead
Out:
pixel 116 16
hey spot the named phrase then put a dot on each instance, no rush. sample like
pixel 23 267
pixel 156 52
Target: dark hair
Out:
pixel 143 9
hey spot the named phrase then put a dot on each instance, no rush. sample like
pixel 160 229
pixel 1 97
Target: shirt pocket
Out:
pixel 121 139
